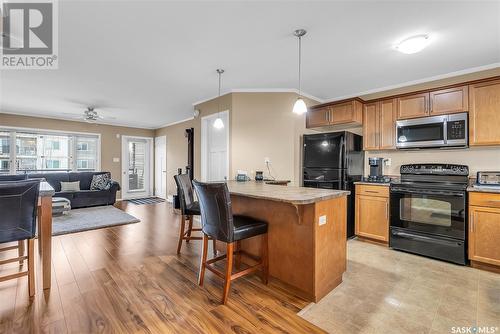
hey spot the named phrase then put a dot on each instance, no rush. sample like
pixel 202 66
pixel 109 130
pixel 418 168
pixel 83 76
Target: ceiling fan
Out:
pixel 90 115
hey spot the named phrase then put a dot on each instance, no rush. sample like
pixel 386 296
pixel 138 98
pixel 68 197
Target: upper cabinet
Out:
pixel 379 125
pixel 318 117
pixel 436 102
pixel 449 101
pixel 342 113
pixel 413 106
pixel 484 113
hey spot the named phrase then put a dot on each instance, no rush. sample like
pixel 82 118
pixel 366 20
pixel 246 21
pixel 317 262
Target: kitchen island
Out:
pixel 307 233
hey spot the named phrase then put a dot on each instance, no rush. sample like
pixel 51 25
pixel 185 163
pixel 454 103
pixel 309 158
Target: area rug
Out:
pixel 148 200
pixel 85 219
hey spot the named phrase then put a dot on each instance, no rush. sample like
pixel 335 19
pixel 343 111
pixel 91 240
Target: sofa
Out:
pixel 85 197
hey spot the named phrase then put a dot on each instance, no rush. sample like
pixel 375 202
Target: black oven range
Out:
pixel 428 211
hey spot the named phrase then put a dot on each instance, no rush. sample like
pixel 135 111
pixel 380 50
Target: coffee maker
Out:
pixel 377 171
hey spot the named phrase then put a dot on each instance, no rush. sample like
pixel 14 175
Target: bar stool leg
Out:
pixel 31 267
pixel 181 233
pixel 214 246
pixel 20 245
pixel 237 259
pixel 229 269
pixel 265 258
pixel 204 249
pixel 190 227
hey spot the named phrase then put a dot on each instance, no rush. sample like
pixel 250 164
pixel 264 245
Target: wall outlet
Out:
pixel 116 159
pixel 322 220
pixel 267 160
pixel 388 161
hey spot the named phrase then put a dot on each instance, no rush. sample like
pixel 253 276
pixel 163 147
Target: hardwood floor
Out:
pixel 128 279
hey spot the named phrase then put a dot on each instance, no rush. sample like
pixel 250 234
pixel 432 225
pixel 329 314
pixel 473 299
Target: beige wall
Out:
pixel 177 142
pixel 110 144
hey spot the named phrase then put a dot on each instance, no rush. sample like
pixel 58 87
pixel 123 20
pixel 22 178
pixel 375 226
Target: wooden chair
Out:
pixel 18 205
pixel 189 208
pixel 218 222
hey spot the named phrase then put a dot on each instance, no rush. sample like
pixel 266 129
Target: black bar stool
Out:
pixel 218 222
pixel 189 208
pixel 18 205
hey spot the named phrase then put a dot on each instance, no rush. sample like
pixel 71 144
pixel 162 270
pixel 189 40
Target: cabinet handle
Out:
pixel 371 191
pixel 387 211
pixel 430 105
pixel 471 222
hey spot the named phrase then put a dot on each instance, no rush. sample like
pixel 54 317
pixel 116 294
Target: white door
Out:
pixel 161 167
pixel 137 167
pixel 215 148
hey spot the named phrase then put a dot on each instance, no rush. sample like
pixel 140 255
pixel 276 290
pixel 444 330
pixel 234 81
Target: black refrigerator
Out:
pixel 334 160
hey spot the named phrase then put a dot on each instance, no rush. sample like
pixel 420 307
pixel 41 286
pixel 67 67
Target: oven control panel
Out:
pixel 435 169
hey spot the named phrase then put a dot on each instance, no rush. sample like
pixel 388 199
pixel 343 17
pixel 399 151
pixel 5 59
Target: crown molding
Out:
pixel 69 119
pixel 416 82
pixel 262 90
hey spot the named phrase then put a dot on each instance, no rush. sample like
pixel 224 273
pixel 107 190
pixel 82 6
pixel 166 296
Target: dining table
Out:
pixel 44 222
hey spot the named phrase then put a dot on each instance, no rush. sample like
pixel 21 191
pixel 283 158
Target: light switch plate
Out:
pixel 116 159
pixel 322 220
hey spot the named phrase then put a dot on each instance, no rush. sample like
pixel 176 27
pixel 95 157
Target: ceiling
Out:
pixel 144 63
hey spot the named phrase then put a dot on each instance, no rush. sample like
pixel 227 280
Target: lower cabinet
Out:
pixel 372 212
pixel 484 228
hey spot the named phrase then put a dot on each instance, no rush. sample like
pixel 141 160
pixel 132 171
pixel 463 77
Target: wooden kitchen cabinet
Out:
pixel 484 229
pixel 318 117
pixel 484 113
pixel 379 125
pixel 342 113
pixel 449 101
pixel 372 212
pixel 371 123
pixel 413 106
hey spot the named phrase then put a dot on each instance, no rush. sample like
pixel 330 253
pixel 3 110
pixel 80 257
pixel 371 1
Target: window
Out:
pixel 4 152
pixel 38 151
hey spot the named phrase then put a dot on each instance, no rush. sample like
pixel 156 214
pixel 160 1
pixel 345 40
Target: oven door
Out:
pixel 421 132
pixel 439 212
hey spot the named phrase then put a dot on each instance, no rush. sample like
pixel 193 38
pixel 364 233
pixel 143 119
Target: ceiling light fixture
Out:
pixel 413 44
pixel 218 123
pixel 300 107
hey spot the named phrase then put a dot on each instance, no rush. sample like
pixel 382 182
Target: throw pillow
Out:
pixel 101 182
pixel 70 186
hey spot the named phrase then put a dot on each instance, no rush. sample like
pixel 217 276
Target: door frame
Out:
pixel 150 167
pixel 155 176
pixel 204 142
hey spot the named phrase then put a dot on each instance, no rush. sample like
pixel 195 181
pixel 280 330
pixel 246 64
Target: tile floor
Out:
pixel 387 291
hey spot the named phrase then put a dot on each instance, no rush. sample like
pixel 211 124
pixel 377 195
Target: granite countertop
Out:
pixel 290 194
pixel 386 184
pixel 483 189
pixel 46 189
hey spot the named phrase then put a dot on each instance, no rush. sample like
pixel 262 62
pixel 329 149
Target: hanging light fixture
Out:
pixel 218 123
pixel 300 106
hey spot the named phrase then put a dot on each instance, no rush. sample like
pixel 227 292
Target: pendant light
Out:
pixel 300 106
pixel 218 123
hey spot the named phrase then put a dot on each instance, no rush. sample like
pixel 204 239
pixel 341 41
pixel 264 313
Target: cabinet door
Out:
pixel 484 115
pixel 448 101
pixel 484 234
pixel 413 106
pixel 372 217
pixel 387 132
pixel 342 113
pixel 318 117
pixel 371 126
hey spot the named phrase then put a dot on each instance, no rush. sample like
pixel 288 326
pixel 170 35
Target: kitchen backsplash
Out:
pixel 478 159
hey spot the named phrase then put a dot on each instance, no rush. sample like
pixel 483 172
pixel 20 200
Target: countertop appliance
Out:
pixel 429 211
pixel 334 160
pixel 488 179
pixel 436 131
pixel 259 175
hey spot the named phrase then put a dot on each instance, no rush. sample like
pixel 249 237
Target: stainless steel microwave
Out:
pixel 436 131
